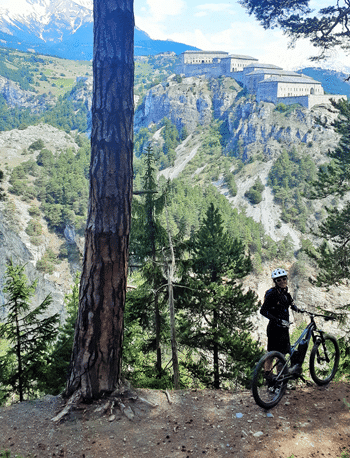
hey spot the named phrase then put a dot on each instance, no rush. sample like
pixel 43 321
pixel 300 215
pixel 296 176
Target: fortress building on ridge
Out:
pixel 268 82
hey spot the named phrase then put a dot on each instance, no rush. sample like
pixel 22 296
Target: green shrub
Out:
pixel 37 145
pixel 34 211
pixel 254 195
pixel 34 228
pixel 47 263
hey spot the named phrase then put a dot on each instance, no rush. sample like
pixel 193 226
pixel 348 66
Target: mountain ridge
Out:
pixel 64 28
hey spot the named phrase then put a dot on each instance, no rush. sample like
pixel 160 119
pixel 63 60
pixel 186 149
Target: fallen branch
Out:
pixel 168 396
pixel 148 402
pixel 71 401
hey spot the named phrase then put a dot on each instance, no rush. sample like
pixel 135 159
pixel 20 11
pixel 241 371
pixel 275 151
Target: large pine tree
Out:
pixel 97 352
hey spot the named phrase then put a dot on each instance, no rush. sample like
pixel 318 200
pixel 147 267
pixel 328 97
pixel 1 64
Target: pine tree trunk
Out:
pixel 171 273
pixel 172 330
pixel 19 359
pixel 158 327
pixel 216 353
pixel 96 359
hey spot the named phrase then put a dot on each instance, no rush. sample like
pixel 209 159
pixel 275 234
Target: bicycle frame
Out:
pixel 274 370
pixel 311 331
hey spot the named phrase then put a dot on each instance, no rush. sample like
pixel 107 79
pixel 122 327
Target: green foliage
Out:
pixel 15 118
pixel 214 296
pixel 20 185
pixel 147 233
pixel 34 211
pixel 231 183
pixel 254 194
pixel 141 140
pixel 281 107
pixel 333 255
pixel 187 208
pixel 212 139
pixel 148 238
pixel 48 261
pixel 45 158
pixel 34 228
pixel 286 109
pixel 63 188
pixel 57 360
pixel 67 114
pixel 37 145
pixel 297 20
pixel 28 334
pixel 344 363
pixel 290 178
pixel 23 75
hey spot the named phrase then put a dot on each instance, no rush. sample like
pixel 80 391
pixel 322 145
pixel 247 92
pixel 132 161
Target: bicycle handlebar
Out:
pixel 312 314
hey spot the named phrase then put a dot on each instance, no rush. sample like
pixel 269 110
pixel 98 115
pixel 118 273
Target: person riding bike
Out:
pixel 275 308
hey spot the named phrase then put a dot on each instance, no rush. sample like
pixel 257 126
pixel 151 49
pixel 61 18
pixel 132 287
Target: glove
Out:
pixel 285 323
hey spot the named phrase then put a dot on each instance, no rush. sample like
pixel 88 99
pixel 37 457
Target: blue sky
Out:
pixel 223 26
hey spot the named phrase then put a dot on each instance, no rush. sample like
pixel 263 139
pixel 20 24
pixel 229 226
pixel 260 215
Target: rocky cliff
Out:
pixel 253 127
pixel 255 133
pixel 15 243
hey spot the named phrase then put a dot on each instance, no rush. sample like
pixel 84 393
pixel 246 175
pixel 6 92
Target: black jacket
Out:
pixel 276 305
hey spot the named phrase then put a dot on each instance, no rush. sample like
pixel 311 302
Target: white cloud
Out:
pixel 161 9
pixel 216 8
pixel 154 17
pixel 201 14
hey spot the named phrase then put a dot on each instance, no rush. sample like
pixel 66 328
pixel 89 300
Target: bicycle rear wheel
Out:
pixel 268 382
pixel 324 360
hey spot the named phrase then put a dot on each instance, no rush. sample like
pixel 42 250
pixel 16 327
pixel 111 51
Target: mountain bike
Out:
pixel 275 370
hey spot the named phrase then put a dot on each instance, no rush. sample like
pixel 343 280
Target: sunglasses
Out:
pixel 281 279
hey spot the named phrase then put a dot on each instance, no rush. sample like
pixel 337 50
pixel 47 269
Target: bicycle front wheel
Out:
pixel 268 382
pixel 324 360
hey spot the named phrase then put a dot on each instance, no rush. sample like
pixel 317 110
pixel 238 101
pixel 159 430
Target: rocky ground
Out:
pixel 309 422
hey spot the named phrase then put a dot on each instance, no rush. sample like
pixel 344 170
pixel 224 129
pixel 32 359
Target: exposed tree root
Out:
pixel 118 399
pixel 72 401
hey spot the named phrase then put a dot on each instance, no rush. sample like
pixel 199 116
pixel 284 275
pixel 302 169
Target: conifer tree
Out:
pixel 218 311
pixel 333 256
pixel 148 237
pixel 28 334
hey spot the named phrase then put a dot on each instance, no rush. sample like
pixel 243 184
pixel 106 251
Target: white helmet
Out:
pixel 278 273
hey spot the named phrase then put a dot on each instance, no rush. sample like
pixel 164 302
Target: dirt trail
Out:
pixel 309 422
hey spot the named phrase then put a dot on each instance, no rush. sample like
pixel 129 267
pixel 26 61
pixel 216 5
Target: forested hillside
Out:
pixel 208 162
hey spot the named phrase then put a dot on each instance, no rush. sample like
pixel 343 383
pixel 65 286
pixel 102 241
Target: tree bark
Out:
pixel 97 351
pixel 171 274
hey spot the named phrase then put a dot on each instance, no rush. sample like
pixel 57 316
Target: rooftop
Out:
pixel 239 56
pixel 260 65
pixel 277 72
pixel 290 79
pixel 205 52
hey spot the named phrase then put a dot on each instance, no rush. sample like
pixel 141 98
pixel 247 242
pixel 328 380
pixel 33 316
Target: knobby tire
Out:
pixel 267 391
pixel 324 360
